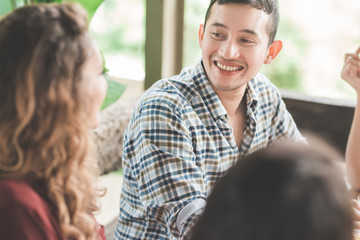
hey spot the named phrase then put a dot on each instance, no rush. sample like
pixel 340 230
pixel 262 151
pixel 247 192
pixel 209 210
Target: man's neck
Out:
pixel 231 99
pixel 235 105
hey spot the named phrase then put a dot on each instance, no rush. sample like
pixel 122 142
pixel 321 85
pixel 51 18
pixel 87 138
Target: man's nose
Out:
pixel 230 49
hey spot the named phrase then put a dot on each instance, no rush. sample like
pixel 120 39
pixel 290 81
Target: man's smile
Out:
pixel 229 68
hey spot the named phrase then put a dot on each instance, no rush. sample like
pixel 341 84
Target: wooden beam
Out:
pixel 153 41
pixel 164 39
pixel 173 37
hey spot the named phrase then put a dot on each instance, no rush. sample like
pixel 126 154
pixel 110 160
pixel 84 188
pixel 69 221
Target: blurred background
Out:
pixel 316 34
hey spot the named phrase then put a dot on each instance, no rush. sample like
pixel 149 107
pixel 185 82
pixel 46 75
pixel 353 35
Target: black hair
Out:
pixel 270 7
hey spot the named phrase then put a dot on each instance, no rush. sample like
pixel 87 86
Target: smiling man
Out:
pixel 188 130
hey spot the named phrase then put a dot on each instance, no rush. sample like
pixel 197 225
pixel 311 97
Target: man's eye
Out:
pixel 245 40
pixel 217 35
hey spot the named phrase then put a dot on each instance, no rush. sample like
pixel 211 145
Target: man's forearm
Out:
pixel 352 155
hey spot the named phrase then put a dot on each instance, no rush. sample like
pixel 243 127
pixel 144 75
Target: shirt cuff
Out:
pixel 189 210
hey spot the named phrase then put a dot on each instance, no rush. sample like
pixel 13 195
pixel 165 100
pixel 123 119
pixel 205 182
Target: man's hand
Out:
pixel 356 214
pixel 351 70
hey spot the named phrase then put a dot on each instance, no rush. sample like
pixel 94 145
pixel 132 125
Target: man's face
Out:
pixel 234 45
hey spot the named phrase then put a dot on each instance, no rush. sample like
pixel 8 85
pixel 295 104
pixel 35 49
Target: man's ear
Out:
pixel 201 33
pixel 273 51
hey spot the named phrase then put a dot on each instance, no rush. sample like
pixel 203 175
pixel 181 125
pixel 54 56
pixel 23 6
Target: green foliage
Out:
pixel 19 3
pixel 45 1
pixel 289 32
pixel 357 42
pixel 115 90
pixel 115 39
pixel 286 71
pixel 5 7
pixel 118 172
pixel 112 40
pixel 194 15
pixel 90 5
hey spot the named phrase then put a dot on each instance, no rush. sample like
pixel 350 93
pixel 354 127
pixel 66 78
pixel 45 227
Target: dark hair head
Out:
pixel 270 7
pixel 279 194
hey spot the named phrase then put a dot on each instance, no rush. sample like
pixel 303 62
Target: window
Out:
pixel 118 27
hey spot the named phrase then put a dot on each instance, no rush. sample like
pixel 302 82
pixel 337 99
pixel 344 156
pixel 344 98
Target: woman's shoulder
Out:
pixel 20 195
pixel 18 192
pixel 24 214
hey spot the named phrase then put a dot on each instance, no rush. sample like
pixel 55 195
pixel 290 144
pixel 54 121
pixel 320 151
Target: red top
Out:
pixel 24 214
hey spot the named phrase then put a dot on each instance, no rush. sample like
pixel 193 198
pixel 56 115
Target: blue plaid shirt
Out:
pixel 178 144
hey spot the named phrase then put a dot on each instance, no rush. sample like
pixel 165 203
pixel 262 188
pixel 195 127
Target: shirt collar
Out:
pixel 212 100
pixel 252 97
pixel 209 96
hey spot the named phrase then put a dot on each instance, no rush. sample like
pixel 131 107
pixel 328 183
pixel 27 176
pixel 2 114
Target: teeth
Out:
pixel 228 68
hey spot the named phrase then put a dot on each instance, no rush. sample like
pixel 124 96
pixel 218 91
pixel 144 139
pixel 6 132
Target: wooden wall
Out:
pixel 328 119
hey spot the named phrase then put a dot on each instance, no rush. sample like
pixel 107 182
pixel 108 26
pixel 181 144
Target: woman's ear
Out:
pixel 273 51
pixel 201 33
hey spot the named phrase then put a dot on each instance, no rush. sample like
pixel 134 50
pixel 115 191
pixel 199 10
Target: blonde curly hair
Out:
pixel 43 138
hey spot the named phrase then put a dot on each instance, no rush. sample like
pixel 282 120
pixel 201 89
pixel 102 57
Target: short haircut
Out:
pixel 270 7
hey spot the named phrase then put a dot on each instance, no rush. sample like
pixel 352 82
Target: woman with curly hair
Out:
pixel 51 89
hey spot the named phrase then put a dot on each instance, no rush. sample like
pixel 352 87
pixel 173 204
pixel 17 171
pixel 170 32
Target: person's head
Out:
pixel 51 89
pixel 270 7
pixel 237 38
pixel 279 194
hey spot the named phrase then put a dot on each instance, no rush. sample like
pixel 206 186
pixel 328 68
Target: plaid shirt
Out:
pixel 177 146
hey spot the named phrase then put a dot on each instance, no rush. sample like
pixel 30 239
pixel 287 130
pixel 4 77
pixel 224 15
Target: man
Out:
pixel 187 131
